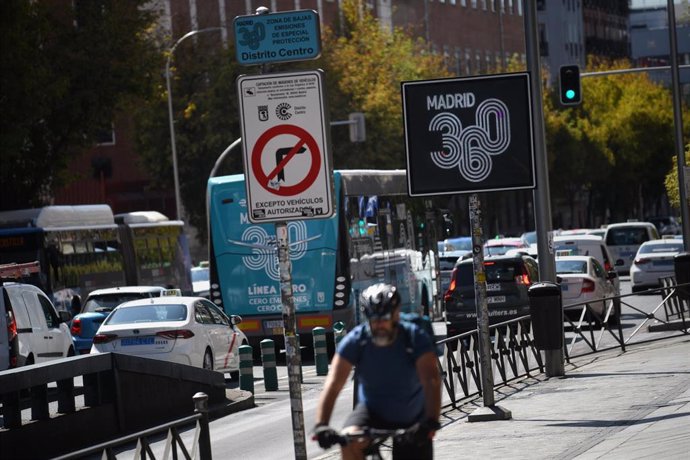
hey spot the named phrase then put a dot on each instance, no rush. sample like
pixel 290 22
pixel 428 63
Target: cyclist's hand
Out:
pixel 325 435
pixel 421 432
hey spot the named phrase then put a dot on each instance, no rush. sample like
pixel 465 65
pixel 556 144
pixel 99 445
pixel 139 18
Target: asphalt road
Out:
pixel 266 433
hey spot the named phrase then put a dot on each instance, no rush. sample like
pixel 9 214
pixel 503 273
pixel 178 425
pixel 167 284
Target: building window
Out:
pixel 106 136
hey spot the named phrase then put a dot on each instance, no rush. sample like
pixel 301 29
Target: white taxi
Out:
pixel 185 330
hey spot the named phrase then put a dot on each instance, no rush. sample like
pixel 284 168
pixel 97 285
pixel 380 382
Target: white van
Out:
pixel 625 238
pixel 588 245
pixel 31 330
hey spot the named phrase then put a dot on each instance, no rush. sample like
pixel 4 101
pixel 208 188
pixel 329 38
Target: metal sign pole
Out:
pixel 490 410
pixel 554 360
pixel 292 348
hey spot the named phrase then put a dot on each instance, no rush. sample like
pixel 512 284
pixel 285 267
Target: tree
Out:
pixel 618 143
pixel 671 182
pixel 63 74
pixel 363 70
pixel 364 67
pixel 206 115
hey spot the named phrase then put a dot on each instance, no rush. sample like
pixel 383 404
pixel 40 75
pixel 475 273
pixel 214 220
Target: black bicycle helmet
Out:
pixel 379 300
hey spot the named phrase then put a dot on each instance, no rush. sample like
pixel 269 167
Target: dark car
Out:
pixel 507 280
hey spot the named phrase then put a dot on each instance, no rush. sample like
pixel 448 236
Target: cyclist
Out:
pixel 398 375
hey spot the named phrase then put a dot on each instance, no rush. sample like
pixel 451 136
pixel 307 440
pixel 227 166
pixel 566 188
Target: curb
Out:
pixel 675 325
pixel 236 401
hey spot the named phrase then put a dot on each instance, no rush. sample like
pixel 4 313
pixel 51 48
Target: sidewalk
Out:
pixel 610 405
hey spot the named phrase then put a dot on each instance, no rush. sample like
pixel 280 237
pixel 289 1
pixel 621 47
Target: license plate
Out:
pixel 273 324
pixel 127 342
pixel 493 286
pixel 496 299
pixel 662 263
pixel 564 287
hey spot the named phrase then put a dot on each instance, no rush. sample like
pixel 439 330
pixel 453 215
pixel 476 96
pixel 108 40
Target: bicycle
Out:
pixel 377 438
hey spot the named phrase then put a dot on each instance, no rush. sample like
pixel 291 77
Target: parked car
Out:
pixel 624 239
pixel 583 279
pixel 589 245
pixel 499 246
pixel 654 260
pixel 507 280
pixel 184 330
pixel 31 329
pixel 98 305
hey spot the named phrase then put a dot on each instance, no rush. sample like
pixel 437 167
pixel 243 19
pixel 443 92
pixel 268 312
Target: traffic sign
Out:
pixel 277 37
pixel 468 135
pixel 286 146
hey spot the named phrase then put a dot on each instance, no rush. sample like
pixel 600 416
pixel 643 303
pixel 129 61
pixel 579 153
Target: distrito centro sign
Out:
pixel 468 135
pixel 277 37
pixel 286 142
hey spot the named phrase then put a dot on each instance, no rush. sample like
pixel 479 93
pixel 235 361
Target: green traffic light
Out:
pixel 570 94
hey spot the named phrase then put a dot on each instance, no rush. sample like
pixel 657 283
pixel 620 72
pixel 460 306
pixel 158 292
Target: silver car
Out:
pixel 653 260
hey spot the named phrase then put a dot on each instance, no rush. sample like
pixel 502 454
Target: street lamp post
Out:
pixel 178 200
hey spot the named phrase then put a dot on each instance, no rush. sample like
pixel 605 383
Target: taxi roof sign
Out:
pixel 171 293
pixel 277 37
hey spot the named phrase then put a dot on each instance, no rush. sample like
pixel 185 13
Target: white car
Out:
pixel 31 330
pixel 589 245
pixel 185 330
pixel 583 279
pixel 654 260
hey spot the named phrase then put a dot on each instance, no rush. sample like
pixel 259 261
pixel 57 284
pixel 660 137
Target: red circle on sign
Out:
pixel 303 138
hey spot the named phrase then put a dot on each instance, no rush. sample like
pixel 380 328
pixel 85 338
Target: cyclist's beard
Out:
pixel 382 337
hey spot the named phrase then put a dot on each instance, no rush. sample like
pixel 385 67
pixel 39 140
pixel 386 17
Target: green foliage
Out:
pixel 671 181
pixel 206 118
pixel 616 147
pixel 364 68
pixel 63 74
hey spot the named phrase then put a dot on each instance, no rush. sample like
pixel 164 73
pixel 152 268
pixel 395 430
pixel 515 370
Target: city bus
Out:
pixel 377 234
pixel 82 248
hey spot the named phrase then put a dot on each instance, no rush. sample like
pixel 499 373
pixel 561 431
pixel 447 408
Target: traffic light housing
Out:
pixel 569 85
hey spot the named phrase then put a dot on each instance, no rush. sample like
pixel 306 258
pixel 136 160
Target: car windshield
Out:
pixel 566 267
pixel 496 272
pixel 530 237
pixel 148 314
pixel 652 248
pixel 199 274
pixel 626 236
pixel 107 302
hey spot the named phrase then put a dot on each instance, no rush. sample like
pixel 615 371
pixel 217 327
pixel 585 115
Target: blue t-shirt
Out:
pixel 388 380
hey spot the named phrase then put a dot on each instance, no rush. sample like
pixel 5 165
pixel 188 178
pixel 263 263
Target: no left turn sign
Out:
pixel 286 146
pixel 277 181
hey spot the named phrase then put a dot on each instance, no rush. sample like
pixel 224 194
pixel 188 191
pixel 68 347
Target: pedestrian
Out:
pixel 398 375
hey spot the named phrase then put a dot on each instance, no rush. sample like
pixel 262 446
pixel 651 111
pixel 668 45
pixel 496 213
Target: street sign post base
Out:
pixel 489 414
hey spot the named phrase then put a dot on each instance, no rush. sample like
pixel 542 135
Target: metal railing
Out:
pixel 513 351
pixel 201 443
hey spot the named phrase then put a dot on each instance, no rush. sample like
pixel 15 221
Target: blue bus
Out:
pixel 82 248
pixel 377 234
